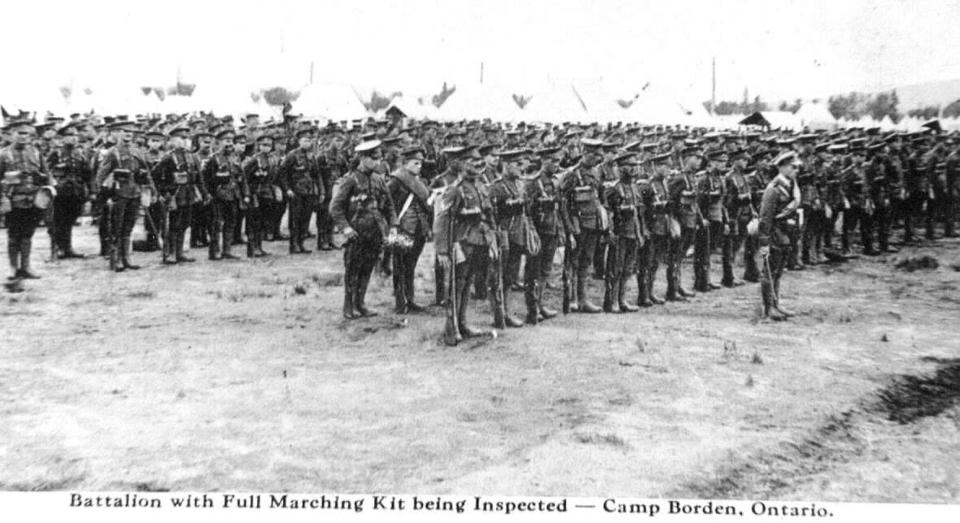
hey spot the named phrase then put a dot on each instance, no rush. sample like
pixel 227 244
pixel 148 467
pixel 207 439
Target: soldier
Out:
pixel 411 196
pixel 155 213
pixel 710 196
pixel 582 221
pixel 543 195
pixel 951 190
pixel 122 176
pixel 438 185
pixel 510 219
pixel 223 177
pixel 362 210
pixel 177 176
pixel 73 184
pixel 757 181
pixel 656 199
pixel 740 210
pixel 686 211
pixel 301 181
pixel 778 217
pixel 201 214
pixel 331 168
pixel 625 205
pixel 261 172
pixel 464 235
pixel 23 173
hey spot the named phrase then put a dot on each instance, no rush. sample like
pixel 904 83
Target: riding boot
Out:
pixel 363 282
pixel 547 313
pixel 530 300
pixel 227 244
pixel 13 252
pixel 25 247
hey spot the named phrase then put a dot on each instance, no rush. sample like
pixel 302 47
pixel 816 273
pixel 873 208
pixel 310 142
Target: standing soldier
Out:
pixel 757 181
pixel 686 211
pixel 710 189
pixel 656 199
pixel 410 195
pixel 544 197
pixel 952 191
pixel 260 172
pixel 362 210
pixel 624 203
pixel 200 215
pixel 740 210
pixel 510 219
pixel 778 219
pixel 154 214
pixel 581 217
pixel 23 173
pixel 464 235
pixel 300 176
pixel 122 176
pixel 178 181
pixel 438 186
pixel 223 177
pixel 69 162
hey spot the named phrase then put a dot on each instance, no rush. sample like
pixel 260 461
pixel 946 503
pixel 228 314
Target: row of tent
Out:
pixel 339 102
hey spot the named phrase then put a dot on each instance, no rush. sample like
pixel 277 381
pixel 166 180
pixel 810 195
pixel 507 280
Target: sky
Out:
pixel 777 49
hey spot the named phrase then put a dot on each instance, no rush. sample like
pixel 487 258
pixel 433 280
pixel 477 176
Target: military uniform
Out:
pixel 626 207
pixel 510 213
pixel 710 200
pixel 580 190
pixel 73 176
pixel 179 183
pixel 740 211
pixel 659 213
pixel 544 197
pixel 223 177
pixel 23 173
pixel 463 233
pixel 778 222
pixel 201 216
pixel 261 172
pixel 361 203
pixel 122 176
pixel 415 221
pixel 687 212
pixel 300 175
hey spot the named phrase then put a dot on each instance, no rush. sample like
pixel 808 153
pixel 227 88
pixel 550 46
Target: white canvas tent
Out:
pixel 816 116
pixel 330 102
pixel 479 102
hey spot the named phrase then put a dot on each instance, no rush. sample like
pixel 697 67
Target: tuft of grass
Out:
pixel 641 346
pixel 756 359
pixel 142 294
pixel 729 350
pixel 601 439
pixel 299 288
pixel 749 382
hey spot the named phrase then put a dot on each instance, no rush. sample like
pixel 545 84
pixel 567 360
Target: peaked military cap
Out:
pixel 367 148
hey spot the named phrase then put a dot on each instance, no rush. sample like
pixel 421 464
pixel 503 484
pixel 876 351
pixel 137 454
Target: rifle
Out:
pixel 499 313
pixel 565 277
pixel 451 330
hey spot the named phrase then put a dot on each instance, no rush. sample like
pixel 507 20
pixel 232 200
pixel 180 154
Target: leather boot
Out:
pixel 125 254
pixel 361 295
pixel 583 305
pixel 227 244
pixel 547 313
pixel 214 247
pixel 251 244
pixel 622 294
pixel 672 294
pixel 25 248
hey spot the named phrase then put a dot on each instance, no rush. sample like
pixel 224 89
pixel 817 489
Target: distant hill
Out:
pixel 928 93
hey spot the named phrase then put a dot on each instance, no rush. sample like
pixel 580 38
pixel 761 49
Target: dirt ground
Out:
pixel 243 376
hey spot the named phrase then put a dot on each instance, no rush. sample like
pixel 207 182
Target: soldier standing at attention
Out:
pixel 300 177
pixel 178 180
pixel 581 211
pixel 410 195
pixel 624 203
pixel 544 197
pixel 72 188
pixel 510 212
pixel 123 174
pixel 778 219
pixel 363 212
pixel 23 173
pixel 223 177
pixel 260 172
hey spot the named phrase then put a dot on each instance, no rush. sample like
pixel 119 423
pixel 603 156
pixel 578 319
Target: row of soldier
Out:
pixel 620 200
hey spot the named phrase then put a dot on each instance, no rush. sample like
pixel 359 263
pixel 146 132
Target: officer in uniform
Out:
pixel 223 176
pixel 438 185
pixel 757 181
pixel 543 195
pixel 362 210
pixel 411 196
pixel 122 175
pixel 73 175
pixel 152 155
pixel 261 172
pixel 178 179
pixel 579 189
pixel 464 236
pixel 625 206
pixel 303 187
pixel 23 173
pixel 778 218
